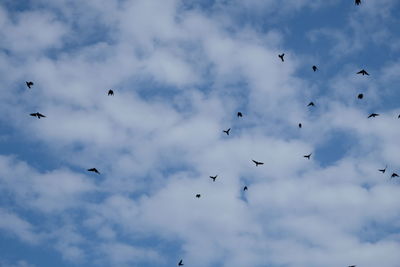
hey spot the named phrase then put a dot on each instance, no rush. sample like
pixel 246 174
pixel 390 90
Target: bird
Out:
pixel 357 2
pixel 281 57
pixel 110 92
pixel 180 263
pixel 382 170
pixel 363 72
pixel 245 188
pixel 38 115
pixel 308 156
pixel 372 115
pixel 311 104
pixel 394 175
pixel 353 265
pixel 214 177
pixel 398 117
pixel 239 114
pixel 198 195
pixel 227 131
pixel 257 162
pixel 29 84
pixel 360 96
pixel 314 68
pixel 93 170
pixel 300 125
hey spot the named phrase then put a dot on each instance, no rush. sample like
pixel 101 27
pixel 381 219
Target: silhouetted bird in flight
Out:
pixel 358 2
pixel 257 162
pixel 360 96
pixel 239 114
pixel 314 68
pixel 214 177
pixel 245 188
pixel 352 265
pixel 398 117
pixel 180 263
pixel 110 92
pixel 93 170
pixel 300 125
pixel 311 104
pixel 38 115
pixel 281 57
pixel 383 170
pixel 308 156
pixel 373 115
pixel 363 72
pixel 198 195
pixel 29 84
pixel 227 131
pixel 394 175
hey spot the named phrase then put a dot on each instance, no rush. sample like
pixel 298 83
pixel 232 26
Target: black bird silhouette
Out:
pixel 308 156
pixel 357 2
pixel 227 131
pixel 281 56
pixel 180 263
pixel 110 92
pixel 257 162
pixel 383 170
pixel 363 72
pixel 353 265
pixel 214 177
pixel 93 170
pixel 300 125
pixel 311 104
pixel 398 117
pixel 239 114
pixel 29 84
pixel 245 188
pixel 394 175
pixel 198 195
pixel 38 115
pixel 314 68
pixel 360 96
pixel 373 115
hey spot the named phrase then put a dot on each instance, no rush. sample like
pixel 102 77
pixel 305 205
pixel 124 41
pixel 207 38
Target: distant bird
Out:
pixel 93 170
pixel 394 175
pixel 398 117
pixel 239 114
pixel 214 177
pixel 360 96
pixel 314 68
pixel 38 115
pixel 180 263
pixel 226 131
pixel 352 265
pixel 373 115
pixel 257 162
pixel 358 2
pixel 311 104
pixel 300 125
pixel 363 72
pixel 110 92
pixel 281 57
pixel 308 156
pixel 29 84
pixel 245 188
pixel 383 170
pixel 198 195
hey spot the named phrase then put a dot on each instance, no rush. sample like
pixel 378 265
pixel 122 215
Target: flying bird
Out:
pixel 308 156
pixel 29 84
pixel 300 125
pixel 383 170
pixel 363 72
pixel 198 195
pixel 353 265
pixel 239 114
pixel 281 57
pixel 38 115
pixel 214 177
pixel 227 131
pixel 398 117
pixel 245 188
pixel 257 162
pixel 180 263
pixel 394 175
pixel 314 68
pixel 311 104
pixel 110 92
pixel 373 115
pixel 357 2
pixel 93 170
pixel 360 96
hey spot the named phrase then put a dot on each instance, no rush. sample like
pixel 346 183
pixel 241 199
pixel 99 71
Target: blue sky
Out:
pixel 180 72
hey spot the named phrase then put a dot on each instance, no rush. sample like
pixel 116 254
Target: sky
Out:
pixel 180 71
